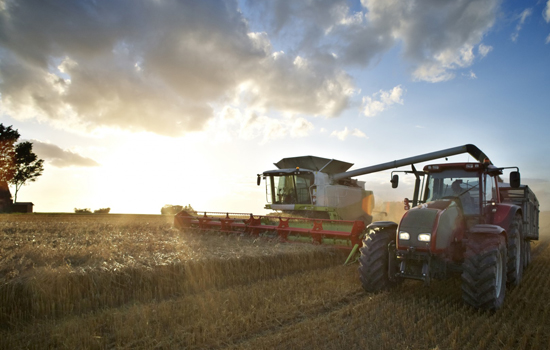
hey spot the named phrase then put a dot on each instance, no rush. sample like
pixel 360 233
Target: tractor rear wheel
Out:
pixel 374 260
pixel 484 271
pixel 515 253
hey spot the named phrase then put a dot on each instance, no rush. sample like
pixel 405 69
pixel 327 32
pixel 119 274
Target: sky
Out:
pixel 137 104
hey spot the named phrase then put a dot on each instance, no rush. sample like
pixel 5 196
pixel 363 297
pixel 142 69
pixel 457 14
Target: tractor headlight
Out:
pixel 424 237
pixel 404 236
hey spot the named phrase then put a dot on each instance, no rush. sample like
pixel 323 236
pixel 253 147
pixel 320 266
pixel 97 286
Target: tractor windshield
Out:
pixel 455 183
pixel 289 188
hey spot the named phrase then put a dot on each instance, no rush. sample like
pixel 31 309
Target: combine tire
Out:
pixel 484 272
pixel 515 253
pixel 374 259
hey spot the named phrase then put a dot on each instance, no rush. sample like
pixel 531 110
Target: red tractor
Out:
pixel 464 220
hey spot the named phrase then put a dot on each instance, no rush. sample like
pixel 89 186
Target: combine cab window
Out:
pixel 455 183
pixel 290 189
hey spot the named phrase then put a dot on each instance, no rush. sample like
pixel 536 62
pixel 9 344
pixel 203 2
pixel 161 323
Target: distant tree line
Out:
pixel 89 211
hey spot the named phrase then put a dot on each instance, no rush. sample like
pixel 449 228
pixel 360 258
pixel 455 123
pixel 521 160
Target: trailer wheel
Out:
pixel 526 253
pixel 374 260
pixel 484 272
pixel 515 253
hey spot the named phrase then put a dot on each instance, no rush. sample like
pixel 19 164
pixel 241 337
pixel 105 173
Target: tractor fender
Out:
pixel 382 225
pixel 485 229
pixel 505 215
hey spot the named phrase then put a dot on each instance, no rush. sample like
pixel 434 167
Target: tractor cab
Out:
pixel 463 182
pixel 474 186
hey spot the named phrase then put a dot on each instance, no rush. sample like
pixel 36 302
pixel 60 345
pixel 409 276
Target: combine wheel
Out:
pixel 484 272
pixel 515 254
pixel 374 259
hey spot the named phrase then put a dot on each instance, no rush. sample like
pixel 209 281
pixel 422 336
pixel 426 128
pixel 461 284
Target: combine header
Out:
pixel 342 234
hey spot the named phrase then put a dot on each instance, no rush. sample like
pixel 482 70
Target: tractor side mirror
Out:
pixel 258 180
pixel 515 179
pixel 394 181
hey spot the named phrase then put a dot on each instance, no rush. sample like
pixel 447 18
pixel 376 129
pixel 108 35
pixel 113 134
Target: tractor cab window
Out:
pixel 490 189
pixel 455 183
pixel 290 188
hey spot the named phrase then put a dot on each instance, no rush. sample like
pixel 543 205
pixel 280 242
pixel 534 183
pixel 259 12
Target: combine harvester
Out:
pixel 313 207
pixel 320 201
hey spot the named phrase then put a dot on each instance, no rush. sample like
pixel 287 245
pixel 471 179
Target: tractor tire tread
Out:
pixel 479 275
pixel 373 262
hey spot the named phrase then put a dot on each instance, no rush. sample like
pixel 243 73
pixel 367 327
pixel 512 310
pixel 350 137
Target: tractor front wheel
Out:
pixel 484 271
pixel 374 260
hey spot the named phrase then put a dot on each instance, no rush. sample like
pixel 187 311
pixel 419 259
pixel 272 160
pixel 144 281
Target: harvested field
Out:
pixel 121 281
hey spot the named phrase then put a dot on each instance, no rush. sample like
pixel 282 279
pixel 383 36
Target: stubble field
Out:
pixel 133 282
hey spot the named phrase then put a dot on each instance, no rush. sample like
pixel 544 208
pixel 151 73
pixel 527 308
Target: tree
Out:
pixel 8 138
pixel 28 167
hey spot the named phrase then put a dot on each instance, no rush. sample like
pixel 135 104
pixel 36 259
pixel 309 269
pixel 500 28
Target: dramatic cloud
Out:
pixel 382 100
pixel 59 157
pixel 437 36
pixel 158 66
pixel 168 66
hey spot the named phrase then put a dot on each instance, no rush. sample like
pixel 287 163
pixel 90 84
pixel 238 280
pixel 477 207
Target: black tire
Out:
pixel 484 272
pixel 374 260
pixel 526 253
pixel 515 252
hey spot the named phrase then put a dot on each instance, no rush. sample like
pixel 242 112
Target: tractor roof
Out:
pixel 329 166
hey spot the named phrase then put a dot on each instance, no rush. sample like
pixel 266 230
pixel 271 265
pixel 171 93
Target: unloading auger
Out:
pixel 319 201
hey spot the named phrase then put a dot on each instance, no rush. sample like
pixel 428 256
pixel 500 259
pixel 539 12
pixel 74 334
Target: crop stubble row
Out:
pixel 414 317
pixel 318 308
